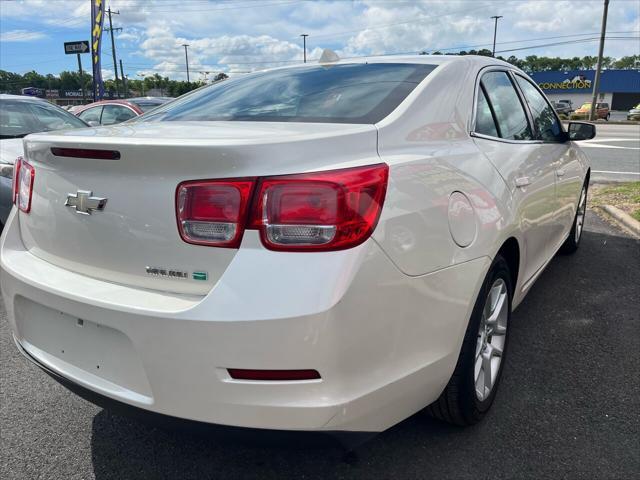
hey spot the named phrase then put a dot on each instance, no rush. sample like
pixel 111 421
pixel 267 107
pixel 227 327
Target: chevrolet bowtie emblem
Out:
pixel 84 203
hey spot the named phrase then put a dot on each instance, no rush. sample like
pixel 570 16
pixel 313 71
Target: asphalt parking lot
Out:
pixel 614 153
pixel 568 407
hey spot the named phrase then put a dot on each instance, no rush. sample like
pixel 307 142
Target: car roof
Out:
pixel 472 60
pixel 115 101
pixel 24 98
pixel 150 99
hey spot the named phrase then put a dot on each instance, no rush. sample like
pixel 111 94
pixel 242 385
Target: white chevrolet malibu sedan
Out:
pixel 328 247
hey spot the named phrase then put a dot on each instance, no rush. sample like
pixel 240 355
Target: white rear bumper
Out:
pixel 385 344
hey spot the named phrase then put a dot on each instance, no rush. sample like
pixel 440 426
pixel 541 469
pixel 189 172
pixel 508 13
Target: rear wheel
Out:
pixel 472 388
pixel 572 242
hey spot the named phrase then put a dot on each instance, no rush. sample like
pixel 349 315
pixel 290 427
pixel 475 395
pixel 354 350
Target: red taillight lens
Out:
pixel 24 174
pixel 321 211
pixel 16 177
pixel 330 210
pixel 213 212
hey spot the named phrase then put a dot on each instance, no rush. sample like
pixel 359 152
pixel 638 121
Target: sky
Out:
pixel 247 35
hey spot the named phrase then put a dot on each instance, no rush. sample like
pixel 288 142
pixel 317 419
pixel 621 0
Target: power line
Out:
pixel 582 40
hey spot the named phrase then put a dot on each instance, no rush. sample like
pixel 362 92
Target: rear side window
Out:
pixel 485 122
pixel 116 114
pixel 544 119
pixel 343 93
pixel 91 114
pixel 509 113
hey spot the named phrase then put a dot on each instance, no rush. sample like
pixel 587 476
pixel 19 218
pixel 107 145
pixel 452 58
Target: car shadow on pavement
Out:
pixel 568 405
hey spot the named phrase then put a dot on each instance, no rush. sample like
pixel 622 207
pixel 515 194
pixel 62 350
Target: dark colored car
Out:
pixel 564 108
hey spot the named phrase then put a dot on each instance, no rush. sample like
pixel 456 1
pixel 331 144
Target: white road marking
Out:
pixel 597 140
pixel 596 145
pixel 619 173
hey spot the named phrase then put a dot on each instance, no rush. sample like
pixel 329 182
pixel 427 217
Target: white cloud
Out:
pixel 21 36
pixel 107 74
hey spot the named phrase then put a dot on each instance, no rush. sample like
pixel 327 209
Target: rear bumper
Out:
pixel 348 439
pixel 384 343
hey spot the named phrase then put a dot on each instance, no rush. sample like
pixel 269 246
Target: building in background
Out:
pixel 619 88
pixel 65 98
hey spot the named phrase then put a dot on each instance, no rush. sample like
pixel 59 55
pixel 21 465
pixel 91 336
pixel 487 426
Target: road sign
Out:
pixel 76 47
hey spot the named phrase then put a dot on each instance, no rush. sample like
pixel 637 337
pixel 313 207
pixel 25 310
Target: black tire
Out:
pixel 458 404
pixel 572 242
pixel 607 117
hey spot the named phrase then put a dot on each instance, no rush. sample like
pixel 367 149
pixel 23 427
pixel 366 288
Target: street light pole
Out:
pixel 141 75
pixel 304 46
pixel 596 80
pixel 495 33
pixel 84 95
pixel 186 59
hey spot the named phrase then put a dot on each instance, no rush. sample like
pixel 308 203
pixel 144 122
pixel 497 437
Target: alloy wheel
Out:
pixel 580 214
pixel 491 339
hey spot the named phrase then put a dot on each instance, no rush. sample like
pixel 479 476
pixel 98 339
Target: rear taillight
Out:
pixel 322 211
pixel 23 177
pixel 213 212
pixel 330 210
pixel 16 177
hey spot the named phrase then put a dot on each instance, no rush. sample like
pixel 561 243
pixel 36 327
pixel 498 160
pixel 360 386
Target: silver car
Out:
pixel 20 116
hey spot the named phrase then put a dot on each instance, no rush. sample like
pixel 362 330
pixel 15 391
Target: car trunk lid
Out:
pixel 134 240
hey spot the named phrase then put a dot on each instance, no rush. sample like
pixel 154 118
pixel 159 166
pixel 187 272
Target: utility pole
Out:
pixel 304 46
pixel 186 59
pixel 125 87
pixel 596 80
pixel 84 96
pixel 113 47
pixel 141 75
pixel 495 33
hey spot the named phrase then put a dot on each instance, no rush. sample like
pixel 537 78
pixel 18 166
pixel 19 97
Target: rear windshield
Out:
pixel 344 93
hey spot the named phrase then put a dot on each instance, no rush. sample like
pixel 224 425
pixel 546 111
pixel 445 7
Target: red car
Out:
pixel 109 112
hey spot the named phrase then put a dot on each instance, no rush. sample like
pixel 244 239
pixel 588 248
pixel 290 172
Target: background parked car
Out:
pixel 634 113
pixel 602 110
pixel 564 108
pixel 20 116
pixel 109 112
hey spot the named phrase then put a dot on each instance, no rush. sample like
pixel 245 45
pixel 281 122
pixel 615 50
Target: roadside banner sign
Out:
pixel 97 20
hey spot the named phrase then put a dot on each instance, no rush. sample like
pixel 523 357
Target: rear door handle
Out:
pixel 522 182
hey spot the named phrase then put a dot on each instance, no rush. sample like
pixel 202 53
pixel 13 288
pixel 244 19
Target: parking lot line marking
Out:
pixel 621 173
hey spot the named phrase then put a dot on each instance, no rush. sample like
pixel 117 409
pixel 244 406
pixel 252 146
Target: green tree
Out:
pixel 627 63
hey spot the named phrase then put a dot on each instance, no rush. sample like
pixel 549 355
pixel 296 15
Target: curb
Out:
pixel 623 218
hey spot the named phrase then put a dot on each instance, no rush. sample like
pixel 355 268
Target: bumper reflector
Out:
pixel 273 375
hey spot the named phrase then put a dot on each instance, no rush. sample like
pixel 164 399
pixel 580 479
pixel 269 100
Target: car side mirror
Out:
pixel 581 131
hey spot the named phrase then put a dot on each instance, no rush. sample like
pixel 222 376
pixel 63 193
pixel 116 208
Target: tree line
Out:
pixel 533 63
pixel 68 80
